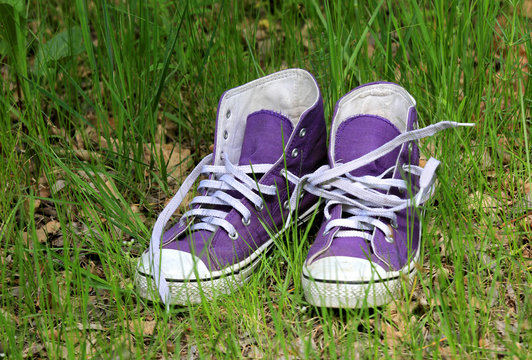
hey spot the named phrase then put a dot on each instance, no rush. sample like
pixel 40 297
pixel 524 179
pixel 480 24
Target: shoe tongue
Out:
pixel 361 134
pixel 263 137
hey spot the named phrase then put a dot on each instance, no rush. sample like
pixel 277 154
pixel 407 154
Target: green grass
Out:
pixel 77 139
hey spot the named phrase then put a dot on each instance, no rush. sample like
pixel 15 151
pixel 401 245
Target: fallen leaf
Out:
pixel 49 210
pixel 487 202
pixel 56 349
pixel 528 194
pixel 52 227
pixel 30 200
pixel 137 212
pixel 43 187
pixel 111 186
pixel 170 346
pixel 175 159
pixel 390 335
pixel 501 150
pixel 393 327
pixel 92 134
pixel 446 352
pixel 91 326
pixel 32 350
pixel 78 138
pixel 41 237
pixel 487 260
pixel 485 160
pixel 58 186
pixel 58 242
pixel 160 135
pixel 505 328
pixel 147 326
pixel 83 154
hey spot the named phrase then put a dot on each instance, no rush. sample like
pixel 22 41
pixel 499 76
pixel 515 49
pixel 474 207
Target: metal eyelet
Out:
pixel 245 221
pixel 226 134
pixel 233 236
pixel 228 114
pixel 295 153
pixel 260 207
pixel 302 132
pixel 281 172
pixel 286 205
pixel 394 224
pixel 389 239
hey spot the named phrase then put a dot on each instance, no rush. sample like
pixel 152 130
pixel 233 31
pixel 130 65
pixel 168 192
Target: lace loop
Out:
pixel 363 202
pixel 224 181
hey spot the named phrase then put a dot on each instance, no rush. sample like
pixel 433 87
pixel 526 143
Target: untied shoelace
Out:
pixel 333 184
pixel 215 190
pixel 362 197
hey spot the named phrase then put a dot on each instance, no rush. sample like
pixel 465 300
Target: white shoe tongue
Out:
pixel 361 134
pixel 263 138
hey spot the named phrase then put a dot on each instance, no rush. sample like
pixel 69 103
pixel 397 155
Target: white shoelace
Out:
pixel 223 179
pixel 362 197
pixel 358 195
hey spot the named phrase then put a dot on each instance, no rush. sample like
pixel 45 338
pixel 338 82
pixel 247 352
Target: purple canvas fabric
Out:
pixel 352 246
pixel 263 140
pixel 311 155
pixel 355 137
pixel 265 133
pixel 263 143
pixel 361 134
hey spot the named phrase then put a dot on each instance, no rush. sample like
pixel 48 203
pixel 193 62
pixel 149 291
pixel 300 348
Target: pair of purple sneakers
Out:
pixel 270 166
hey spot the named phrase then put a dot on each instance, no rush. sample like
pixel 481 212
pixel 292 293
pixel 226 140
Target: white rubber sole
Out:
pixel 357 294
pixel 185 291
pixel 225 281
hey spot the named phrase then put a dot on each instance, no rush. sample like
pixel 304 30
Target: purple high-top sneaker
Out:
pixel 370 237
pixel 268 133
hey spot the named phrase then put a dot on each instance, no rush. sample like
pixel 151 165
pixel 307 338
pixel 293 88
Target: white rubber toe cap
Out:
pixel 176 265
pixel 344 269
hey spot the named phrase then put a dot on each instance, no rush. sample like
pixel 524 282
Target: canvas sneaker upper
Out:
pixel 373 187
pixel 268 132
